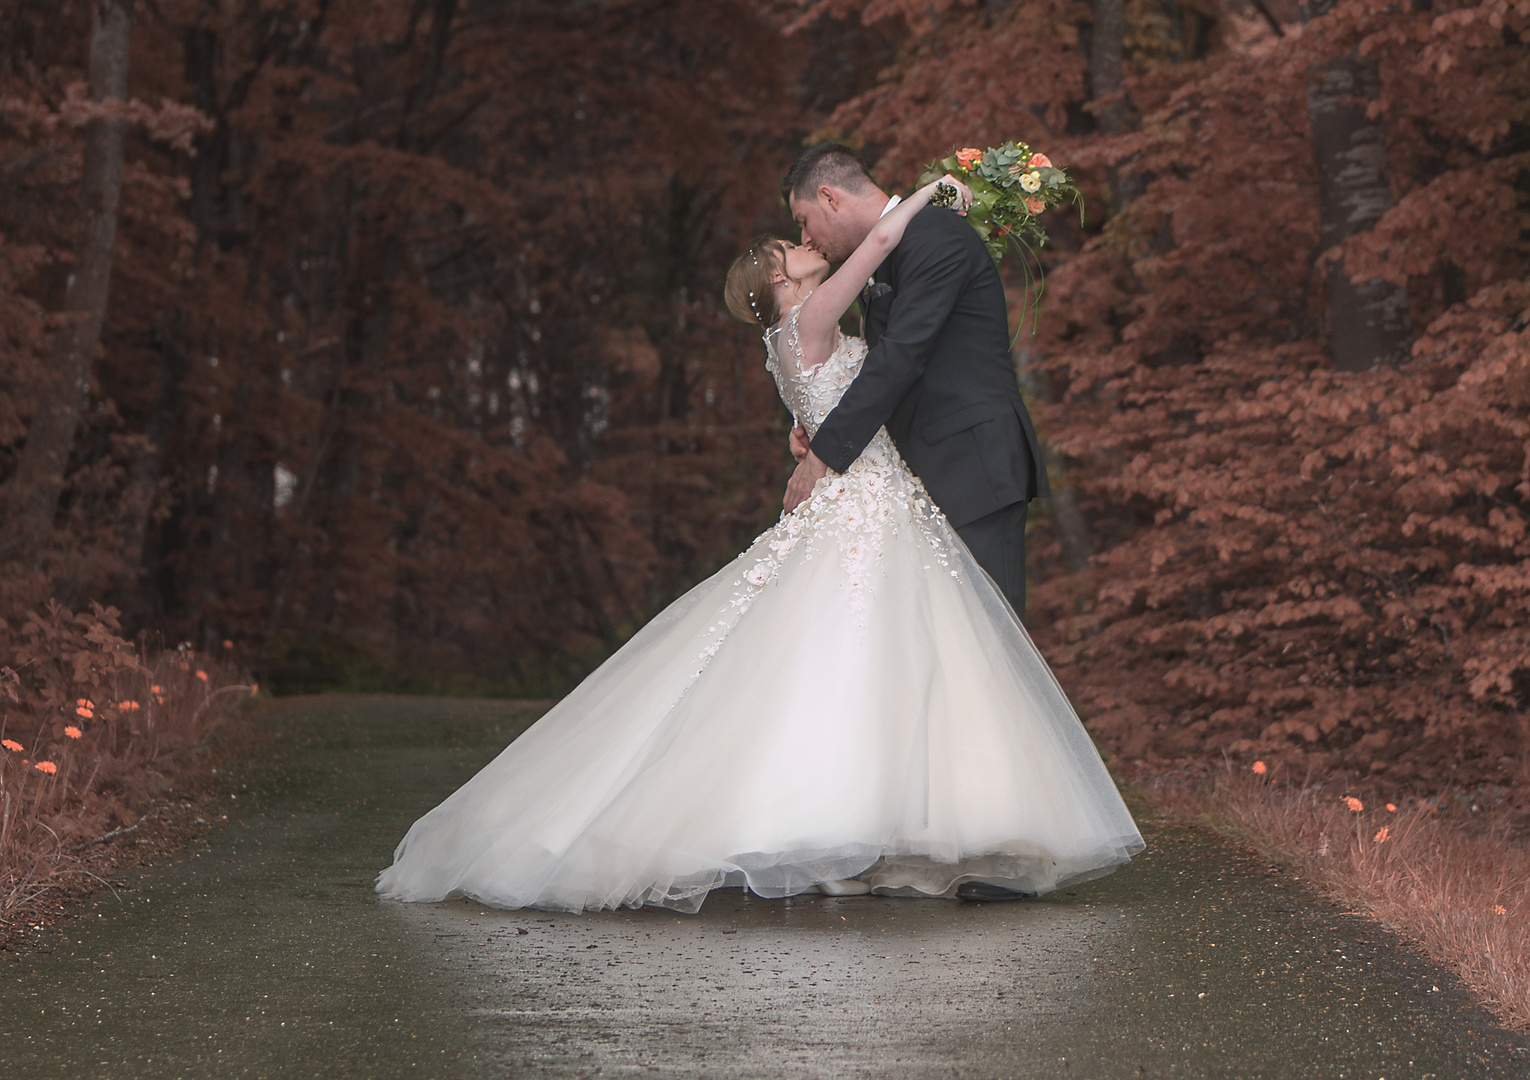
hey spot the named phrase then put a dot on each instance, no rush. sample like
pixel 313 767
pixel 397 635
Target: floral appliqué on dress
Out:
pixel 849 516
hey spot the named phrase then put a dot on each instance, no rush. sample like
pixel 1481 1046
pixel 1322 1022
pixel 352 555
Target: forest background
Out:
pixel 379 344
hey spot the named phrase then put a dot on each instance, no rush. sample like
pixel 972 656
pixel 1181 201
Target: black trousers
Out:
pixel 997 542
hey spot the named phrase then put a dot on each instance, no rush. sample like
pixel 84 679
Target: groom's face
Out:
pixel 826 226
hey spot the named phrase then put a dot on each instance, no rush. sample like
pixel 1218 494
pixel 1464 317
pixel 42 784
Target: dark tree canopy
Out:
pixel 414 360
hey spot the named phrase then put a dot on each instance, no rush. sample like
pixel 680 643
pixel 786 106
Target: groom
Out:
pixel 938 374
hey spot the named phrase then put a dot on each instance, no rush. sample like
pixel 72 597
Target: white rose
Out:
pixel 1031 182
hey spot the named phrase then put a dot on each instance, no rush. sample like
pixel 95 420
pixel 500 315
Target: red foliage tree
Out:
pixel 415 349
pixel 1294 563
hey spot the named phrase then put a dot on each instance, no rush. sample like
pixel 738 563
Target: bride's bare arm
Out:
pixel 822 310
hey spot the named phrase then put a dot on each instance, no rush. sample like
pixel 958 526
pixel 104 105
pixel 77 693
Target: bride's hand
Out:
pixel 964 195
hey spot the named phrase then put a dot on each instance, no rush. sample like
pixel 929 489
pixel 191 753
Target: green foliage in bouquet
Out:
pixel 1012 186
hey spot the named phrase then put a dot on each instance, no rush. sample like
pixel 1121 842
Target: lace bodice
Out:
pixel 810 394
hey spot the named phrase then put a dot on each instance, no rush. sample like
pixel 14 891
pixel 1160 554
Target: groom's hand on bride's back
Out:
pixel 799 442
pixel 809 471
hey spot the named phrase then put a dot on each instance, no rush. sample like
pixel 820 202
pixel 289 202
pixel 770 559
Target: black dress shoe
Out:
pixel 984 893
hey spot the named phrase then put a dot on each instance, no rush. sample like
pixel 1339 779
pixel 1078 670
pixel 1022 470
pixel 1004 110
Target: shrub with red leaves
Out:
pixel 1283 560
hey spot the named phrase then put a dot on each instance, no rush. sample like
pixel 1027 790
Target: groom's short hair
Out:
pixel 827 163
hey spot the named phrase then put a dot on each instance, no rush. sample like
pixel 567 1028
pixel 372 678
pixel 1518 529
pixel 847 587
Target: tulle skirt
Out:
pixel 844 700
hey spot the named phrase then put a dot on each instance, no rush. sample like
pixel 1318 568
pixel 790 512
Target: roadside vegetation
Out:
pixel 1451 873
pixel 94 731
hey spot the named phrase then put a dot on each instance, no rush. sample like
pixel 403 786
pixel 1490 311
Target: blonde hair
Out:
pixel 748 292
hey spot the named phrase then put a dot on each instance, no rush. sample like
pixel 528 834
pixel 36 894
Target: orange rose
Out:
pixel 1035 206
pixel 969 157
pixel 1040 161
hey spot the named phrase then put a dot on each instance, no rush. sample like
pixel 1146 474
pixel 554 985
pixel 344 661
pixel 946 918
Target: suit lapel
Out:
pixel 874 312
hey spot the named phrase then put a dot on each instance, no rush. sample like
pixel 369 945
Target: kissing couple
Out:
pixel 852 705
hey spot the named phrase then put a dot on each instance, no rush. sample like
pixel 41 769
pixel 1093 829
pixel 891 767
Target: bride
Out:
pixel 849 706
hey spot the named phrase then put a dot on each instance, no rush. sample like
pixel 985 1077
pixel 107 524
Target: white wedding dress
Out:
pixel 851 697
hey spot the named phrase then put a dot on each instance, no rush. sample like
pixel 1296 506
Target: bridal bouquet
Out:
pixel 1012 186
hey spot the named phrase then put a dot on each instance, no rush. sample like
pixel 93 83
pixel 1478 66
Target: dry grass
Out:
pixel 1461 891
pixel 83 776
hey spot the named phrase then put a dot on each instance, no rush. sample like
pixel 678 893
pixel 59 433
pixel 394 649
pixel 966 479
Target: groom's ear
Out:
pixel 830 197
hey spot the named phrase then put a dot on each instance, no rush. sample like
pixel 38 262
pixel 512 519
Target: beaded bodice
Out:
pixel 854 517
pixel 812 393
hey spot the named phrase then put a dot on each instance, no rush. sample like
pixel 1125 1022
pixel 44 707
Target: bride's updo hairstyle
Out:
pixel 748 292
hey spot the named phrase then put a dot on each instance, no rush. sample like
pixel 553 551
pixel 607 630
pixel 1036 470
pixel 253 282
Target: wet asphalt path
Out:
pixel 262 952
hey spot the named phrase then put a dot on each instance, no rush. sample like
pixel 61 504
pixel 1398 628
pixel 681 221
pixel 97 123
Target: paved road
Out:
pixel 262 952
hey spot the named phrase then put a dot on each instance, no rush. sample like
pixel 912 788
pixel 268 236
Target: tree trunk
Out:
pixel 1107 55
pixel 144 476
pixel 50 437
pixel 1061 507
pixel 1368 323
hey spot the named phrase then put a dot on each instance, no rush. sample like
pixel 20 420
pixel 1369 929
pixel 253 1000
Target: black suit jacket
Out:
pixel 939 375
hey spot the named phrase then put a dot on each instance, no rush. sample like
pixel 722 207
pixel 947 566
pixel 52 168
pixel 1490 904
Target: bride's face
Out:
pixel 803 264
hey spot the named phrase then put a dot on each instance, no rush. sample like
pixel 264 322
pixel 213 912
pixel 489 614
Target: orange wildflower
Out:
pixel 73 732
pixel 46 767
pixel 11 744
pixel 1353 803
pixel 128 706
pixel 254 688
pixel 1260 768
pixel 227 644
pixel 1391 808
pixel 1381 837
pixel 84 713
pixel 969 157
pixel 1499 909
pixel 156 689
pixel 202 675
